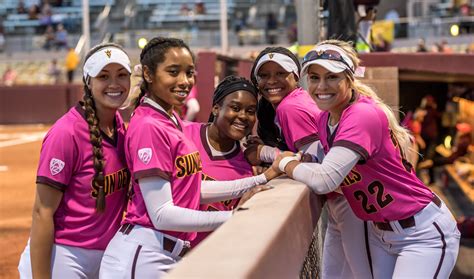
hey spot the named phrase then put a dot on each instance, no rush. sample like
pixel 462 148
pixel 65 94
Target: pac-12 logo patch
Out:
pixel 145 155
pixel 56 166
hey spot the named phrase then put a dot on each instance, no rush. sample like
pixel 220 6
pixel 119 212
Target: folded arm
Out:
pixel 323 177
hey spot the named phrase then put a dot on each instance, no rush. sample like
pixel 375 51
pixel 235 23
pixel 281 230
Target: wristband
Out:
pixel 285 161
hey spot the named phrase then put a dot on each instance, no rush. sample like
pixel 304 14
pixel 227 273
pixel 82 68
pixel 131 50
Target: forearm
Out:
pixel 42 230
pixel 327 176
pixel 165 215
pixel 317 177
pixel 41 244
pixel 214 191
pixel 175 218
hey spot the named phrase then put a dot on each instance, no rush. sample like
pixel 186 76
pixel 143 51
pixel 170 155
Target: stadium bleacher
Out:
pixel 71 14
pixel 8 5
pixel 93 3
pixel 166 13
pixel 27 69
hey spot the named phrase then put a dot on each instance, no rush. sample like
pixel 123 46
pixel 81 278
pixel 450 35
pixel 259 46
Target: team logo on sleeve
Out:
pixel 145 154
pixel 56 166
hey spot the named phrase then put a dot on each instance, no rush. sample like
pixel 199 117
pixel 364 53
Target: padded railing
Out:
pixel 268 238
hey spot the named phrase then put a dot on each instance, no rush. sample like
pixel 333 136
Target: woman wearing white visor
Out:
pixel 412 234
pixel 82 179
pixel 288 108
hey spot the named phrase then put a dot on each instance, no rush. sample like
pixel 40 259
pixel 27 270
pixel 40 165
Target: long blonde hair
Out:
pixel 402 135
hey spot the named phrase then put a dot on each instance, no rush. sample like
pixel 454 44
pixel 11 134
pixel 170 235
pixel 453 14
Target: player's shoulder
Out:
pixel 298 101
pixel 297 97
pixel 142 123
pixel 66 128
pixel 191 128
pixel 364 107
pixel 145 115
pixel 191 125
pixel 70 121
pixel 155 128
pixel 365 113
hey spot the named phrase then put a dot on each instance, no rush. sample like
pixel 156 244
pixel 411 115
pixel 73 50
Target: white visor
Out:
pixel 333 66
pixel 104 57
pixel 284 61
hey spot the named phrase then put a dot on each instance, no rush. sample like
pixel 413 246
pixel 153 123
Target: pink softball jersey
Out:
pixel 221 168
pixel 297 116
pixel 155 146
pixel 66 163
pixel 382 186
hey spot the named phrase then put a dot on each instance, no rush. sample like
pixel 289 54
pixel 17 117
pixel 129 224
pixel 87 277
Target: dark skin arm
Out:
pixel 42 230
pixel 253 148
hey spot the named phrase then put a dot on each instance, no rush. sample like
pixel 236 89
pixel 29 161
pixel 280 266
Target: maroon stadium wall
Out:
pixel 27 104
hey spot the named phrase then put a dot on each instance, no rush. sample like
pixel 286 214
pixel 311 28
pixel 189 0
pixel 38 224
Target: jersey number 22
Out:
pixel 382 199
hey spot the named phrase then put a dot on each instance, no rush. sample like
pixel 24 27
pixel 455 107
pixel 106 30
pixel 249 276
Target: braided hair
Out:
pixel 229 85
pixel 95 134
pixel 153 54
pixel 267 129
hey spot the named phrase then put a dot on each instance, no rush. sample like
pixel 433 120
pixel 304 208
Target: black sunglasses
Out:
pixel 327 55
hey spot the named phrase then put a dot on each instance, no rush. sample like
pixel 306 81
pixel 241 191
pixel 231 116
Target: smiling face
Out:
pixel 236 115
pixel 274 83
pixel 173 79
pixel 110 87
pixel 330 91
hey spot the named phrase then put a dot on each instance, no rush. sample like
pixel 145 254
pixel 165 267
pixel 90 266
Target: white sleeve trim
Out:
pixel 326 177
pixel 214 191
pixel 165 215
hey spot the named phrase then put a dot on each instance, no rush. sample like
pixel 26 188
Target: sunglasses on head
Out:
pixel 328 54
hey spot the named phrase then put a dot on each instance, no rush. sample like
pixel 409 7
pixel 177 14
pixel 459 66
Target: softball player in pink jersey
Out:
pixel 232 118
pixel 412 234
pixel 82 178
pixel 296 116
pixel 286 121
pixel 163 216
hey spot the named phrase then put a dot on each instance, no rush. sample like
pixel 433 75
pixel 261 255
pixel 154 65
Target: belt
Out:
pixel 407 222
pixel 168 244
